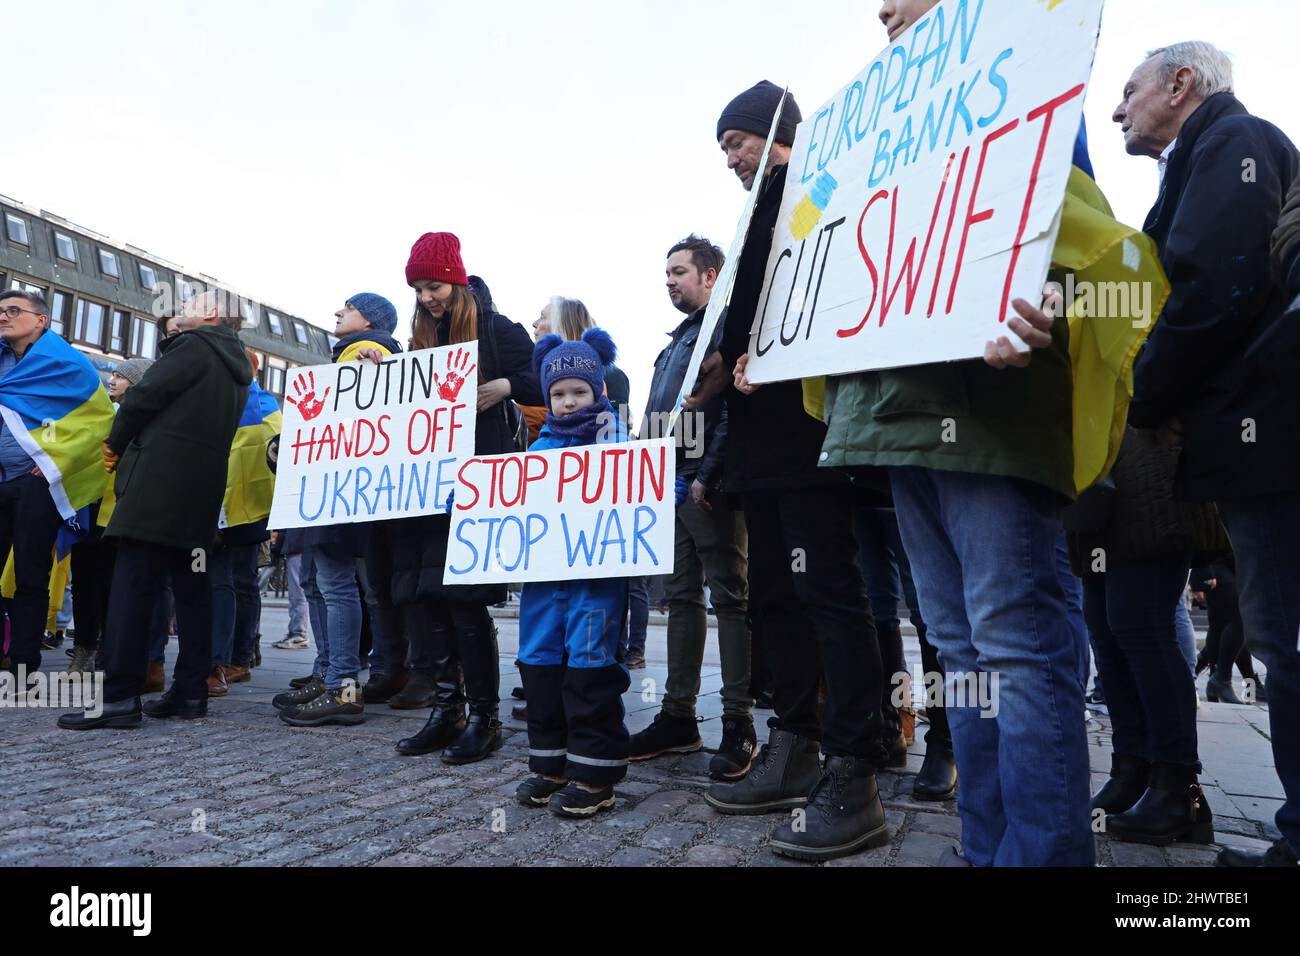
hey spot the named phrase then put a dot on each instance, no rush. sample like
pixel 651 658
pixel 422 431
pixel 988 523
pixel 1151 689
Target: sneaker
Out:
pixel 736 753
pixel 1096 702
pixel 665 735
pixel 298 682
pixel 52 641
pixel 574 801
pixel 305 694
pixel 294 642
pixel 333 706
pixel 537 791
pixel 635 662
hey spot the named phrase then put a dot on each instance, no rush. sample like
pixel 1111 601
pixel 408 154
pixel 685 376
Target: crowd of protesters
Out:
pixel 807 518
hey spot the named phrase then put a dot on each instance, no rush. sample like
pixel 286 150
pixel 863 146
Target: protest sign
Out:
pixel 367 442
pixel 726 280
pixel 925 196
pixel 593 511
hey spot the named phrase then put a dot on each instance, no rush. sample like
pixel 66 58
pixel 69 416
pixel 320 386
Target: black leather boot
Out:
pixel 481 665
pixel 938 777
pixel 448 718
pixel 1173 809
pixel 780 778
pixel 120 715
pixel 1219 690
pixel 1129 777
pixel 171 705
pixel 844 815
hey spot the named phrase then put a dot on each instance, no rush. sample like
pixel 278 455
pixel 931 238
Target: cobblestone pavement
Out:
pixel 241 788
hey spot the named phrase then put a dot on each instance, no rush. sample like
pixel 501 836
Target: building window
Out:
pixel 90 323
pixel 65 247
pixel 300 333
pixel 108 264
pixel 187 290
pixel 275 380
pixel 121 329
pixel 59 304
pixel 248 312
pixel 277 329
pixel 144 337
pixel 22 286
pixel 148 278
pixel 261 368
pixel 16 229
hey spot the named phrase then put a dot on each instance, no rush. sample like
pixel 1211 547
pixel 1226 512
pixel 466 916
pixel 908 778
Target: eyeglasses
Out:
pixel 14 311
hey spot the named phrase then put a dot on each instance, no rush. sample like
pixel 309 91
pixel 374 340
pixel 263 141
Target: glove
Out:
pixel 683 489
pixel 111 458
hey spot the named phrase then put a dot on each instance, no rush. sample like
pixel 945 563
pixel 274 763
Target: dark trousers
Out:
pixel 1149 691
pixel 390 625
pixel 808 591
pixel 236 603
pixel 889 585
pixel 92 572
pixel 29 523
pixel 139 575
pixel 473 638
pixel 1225 643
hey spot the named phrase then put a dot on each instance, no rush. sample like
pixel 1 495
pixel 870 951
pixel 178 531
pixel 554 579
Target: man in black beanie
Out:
pixel 805 582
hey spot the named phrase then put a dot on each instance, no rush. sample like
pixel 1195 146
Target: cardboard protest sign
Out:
pixel 367 442
pixel 594 511
pixel 925 196
pixel 726 279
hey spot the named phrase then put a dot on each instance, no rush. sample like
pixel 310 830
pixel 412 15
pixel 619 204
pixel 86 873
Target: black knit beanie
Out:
pixel 752 112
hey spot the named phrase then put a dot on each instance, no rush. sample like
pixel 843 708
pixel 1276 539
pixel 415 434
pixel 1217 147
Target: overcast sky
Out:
pixel 297 149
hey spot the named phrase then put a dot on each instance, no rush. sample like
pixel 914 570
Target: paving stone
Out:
pixel 923 849
pixel 407 860
pixel 636 856
pixel 452 844
pixel 670 836
pixel 712 855
pixel 1135 854
pixel 665 801
pixel 934 823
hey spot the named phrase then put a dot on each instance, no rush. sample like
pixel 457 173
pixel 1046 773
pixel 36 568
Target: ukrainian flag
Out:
pixel 250 485
pixel 56 406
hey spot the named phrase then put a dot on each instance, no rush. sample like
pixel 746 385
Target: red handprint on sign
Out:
pixel 456 375
pixel 308 405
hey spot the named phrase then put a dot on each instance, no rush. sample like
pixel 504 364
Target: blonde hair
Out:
pixel 569 318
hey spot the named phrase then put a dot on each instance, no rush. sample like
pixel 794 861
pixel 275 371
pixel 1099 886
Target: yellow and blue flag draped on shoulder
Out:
pixel 56 406
pixel 1102 253
pixel 250 485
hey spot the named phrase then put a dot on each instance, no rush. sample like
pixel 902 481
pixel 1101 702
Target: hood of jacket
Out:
pixel 225 345
pixel 378 336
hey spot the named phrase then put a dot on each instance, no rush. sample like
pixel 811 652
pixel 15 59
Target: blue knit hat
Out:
pixel 555 360
pixel 378 311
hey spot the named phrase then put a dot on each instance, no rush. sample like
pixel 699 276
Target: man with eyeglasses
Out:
pixel 29 518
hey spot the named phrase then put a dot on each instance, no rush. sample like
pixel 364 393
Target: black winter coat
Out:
pixel 704 461
pixel 418 546
pixel 173 432
pixel 1146 521
pixel 1223 192
pixel 772 443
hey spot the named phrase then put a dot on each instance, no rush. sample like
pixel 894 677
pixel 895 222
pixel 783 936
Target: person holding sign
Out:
pixel 805 582
pixel 447 313
pixel 569 630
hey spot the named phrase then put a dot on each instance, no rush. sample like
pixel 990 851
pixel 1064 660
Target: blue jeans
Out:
pixel 983 553
pixel 1186 632
pixel 331 587
pixel 1150 693
pixel 1266 541
pixel 1073 588
pixel 236 603
pixel 632 641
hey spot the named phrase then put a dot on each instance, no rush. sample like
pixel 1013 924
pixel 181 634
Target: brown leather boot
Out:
pixel 238 674
pixel 155 679
pixel 217 686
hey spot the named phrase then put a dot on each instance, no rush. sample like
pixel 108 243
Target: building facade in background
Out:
pixel 105 297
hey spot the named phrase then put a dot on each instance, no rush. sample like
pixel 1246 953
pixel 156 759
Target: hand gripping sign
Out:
pixel 367 442
pixel 925 196
pixel 594 511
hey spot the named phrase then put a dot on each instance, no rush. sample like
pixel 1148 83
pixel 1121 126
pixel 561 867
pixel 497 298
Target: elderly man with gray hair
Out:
pixel 170 447
pixel 1224 177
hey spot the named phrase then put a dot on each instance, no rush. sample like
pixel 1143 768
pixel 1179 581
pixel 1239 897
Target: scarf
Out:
pixel 584 425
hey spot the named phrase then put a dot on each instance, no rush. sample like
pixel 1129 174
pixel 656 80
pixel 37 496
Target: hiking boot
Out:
pixel 299 682
pixel 1129 777
pixel 665 735
pixel 537 791
pixel 736 752
pixel 574 801
pixel 1172 809
pixel 782 775
pixel 305 694
pixel 634 662
pixel 938 777
pixel 844 815
pixel 382 688
pixel 238 674
pixel 340 705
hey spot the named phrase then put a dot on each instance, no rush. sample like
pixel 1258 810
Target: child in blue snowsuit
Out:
pixel 569 630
